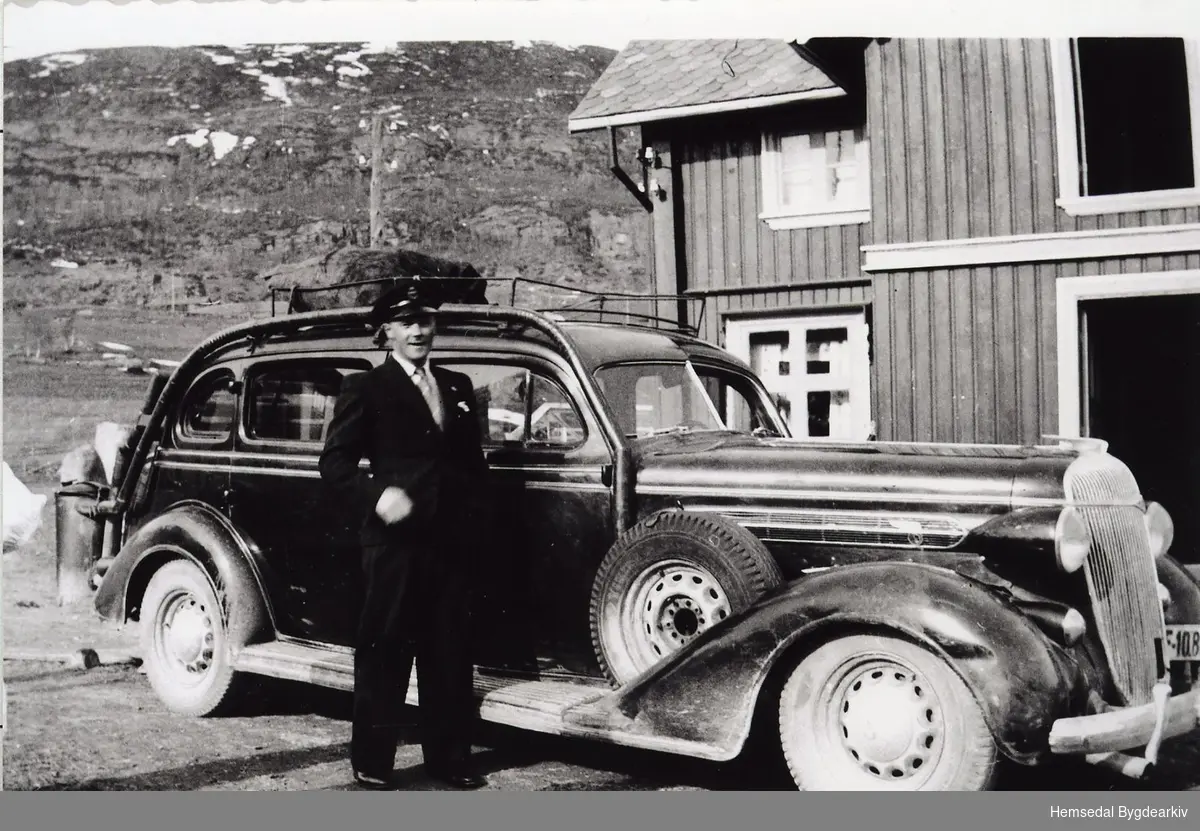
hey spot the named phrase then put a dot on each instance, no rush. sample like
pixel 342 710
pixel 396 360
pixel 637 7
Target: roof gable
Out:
pixel 655 80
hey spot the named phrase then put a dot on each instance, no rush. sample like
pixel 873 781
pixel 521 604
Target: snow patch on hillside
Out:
pixel 217 58
pixel 62 60
pixel 220 141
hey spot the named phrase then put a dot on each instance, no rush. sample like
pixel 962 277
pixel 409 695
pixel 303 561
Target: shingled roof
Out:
pixel 655 80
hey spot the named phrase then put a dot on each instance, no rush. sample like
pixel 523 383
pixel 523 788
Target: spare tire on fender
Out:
pixel 666 580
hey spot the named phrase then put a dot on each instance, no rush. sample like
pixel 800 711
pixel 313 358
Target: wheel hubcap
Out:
pixel 187 635
pixel 889 721
pixel 671 604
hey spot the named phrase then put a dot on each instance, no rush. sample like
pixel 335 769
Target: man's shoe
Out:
pixel 458 777
pixel 372 782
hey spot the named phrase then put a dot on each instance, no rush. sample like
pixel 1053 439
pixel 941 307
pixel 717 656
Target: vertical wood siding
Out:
pixel 726 245
pixel 962 143
pixel 969 355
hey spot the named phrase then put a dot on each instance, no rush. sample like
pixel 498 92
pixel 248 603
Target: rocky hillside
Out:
pixel 134 174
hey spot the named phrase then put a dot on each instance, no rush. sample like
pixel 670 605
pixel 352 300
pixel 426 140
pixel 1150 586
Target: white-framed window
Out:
pixel 817 178
pixel 1127 123
pixel 816 367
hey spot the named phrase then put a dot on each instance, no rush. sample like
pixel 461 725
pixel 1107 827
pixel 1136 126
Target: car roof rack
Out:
pixel 562 303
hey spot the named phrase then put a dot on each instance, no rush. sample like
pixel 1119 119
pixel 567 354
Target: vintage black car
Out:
pixel 665 567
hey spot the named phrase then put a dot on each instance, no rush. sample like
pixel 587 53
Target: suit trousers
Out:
pixel 416 608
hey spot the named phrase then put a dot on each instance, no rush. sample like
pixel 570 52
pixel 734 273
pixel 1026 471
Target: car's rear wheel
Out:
pixel 873 712
pixel 184 646
pixel 669 579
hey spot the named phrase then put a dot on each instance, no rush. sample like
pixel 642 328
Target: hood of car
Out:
pixel 736 468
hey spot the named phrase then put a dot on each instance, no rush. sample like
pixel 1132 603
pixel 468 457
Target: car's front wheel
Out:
pixel 873 712
pixel 184 646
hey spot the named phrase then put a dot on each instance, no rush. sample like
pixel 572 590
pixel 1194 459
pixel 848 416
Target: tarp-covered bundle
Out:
pixel 352 277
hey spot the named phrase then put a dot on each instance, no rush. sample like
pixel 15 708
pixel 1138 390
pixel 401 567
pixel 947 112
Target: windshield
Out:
pixel 653 398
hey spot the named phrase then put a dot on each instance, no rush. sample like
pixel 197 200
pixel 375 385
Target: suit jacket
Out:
pixel 381 416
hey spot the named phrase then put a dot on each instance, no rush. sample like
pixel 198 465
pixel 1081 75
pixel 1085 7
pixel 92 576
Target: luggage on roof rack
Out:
pixel 556 301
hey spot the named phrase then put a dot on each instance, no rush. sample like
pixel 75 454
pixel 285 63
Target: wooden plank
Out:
pixel 852 238
pixel 937 214
pixel 877 229
pixel 957 171
pixel 1028 321
pixel 1021 187
pixel 962 294
pixel 715 227
pixel 917 159
pixel 700 269
pixel 1046 216
pixel 1045 298
pixel 823 249
pixel 979 148
pixel 984 317
pixel 941 328
pixel 1000 145
pixel 924 395
pixel 731 214
pixel 882 365
pixel 747 216
pixel 902 356
pixel 896 155
pixel 1005 377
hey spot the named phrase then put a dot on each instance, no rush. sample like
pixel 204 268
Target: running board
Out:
pixel 561 708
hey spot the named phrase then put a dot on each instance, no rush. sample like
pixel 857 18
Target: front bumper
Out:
pixel 1116 730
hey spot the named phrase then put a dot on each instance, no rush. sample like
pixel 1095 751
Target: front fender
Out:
pixel 193 531
pixel 1184 589
pixel 1022 680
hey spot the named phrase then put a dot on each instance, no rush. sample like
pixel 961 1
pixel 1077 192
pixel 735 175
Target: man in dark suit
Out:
pixel 420 433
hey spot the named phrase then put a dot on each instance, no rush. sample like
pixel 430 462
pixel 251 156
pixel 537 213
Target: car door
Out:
pixel 194 457
pixel 309 538
pixel 552 512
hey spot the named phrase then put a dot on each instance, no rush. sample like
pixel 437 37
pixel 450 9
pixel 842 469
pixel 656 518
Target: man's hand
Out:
pixel 393 505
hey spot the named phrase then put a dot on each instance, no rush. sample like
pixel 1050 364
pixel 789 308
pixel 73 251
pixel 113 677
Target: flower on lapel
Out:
pixel 462 405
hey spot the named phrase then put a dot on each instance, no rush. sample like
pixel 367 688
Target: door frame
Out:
pixel 1070 293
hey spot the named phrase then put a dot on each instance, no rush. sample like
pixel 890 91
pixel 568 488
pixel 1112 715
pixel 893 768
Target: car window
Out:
pixel 209 408
pixel 293 401
pixel 518 406
pixel 650 398
pixel 736 399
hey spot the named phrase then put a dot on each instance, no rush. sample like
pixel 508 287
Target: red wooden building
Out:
pixel 937 240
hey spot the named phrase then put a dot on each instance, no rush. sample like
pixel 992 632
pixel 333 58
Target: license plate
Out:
pixel 1182 642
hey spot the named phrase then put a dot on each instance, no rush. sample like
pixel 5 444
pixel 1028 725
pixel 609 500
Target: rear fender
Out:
pixel 196 532
pixel 708 691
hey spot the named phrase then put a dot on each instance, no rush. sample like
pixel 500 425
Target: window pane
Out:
pixel 517 406
pixel 822 171
pixel 295 402
pixel 499 398
pixel 553 421
pixel 210 411
pixel 1136 132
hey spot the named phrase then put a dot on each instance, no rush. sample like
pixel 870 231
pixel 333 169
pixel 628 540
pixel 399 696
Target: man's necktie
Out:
pixel 425 385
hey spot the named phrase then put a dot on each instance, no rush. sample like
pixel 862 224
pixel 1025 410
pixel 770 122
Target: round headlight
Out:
pixel 1072 540
pixel 1160 527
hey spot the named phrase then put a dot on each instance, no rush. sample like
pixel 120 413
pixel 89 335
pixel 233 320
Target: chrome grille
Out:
pixel 1121 576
